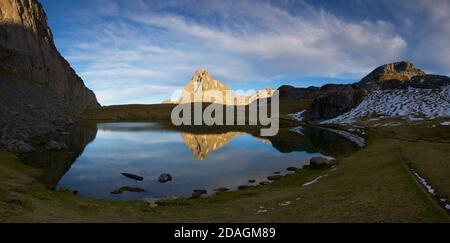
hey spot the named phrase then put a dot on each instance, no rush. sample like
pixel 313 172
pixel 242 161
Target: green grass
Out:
pixel 371 185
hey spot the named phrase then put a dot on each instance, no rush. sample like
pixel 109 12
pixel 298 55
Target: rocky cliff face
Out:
pixel 40 94
pixel 27 50
pixel 333 101
pixel 394 72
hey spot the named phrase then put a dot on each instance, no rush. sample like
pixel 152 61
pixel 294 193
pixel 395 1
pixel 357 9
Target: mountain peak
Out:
pixel 204 88
pixel 401 71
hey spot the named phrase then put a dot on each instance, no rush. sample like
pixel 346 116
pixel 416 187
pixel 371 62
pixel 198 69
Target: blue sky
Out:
pixel 139 51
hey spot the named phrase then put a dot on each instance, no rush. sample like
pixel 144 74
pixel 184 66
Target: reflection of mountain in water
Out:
pixel 202 145
pixel 311 140
pixel 56 163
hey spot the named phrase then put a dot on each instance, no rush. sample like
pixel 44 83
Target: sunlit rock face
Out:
pixel 398 71
pixel 203 88
pixel 202 145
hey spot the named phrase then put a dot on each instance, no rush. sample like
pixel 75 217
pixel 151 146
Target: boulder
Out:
pixel 319 162
pixel 198 193
pixel 164 178
pixel 264 183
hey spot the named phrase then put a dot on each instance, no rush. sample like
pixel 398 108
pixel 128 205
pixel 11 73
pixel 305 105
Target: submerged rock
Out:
pixel 318 163
pixel 252 181
pixel 134 177
pixel 165 178
pixel 127 189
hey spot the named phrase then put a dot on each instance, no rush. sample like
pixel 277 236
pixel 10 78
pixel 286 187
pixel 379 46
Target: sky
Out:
pixel 141 51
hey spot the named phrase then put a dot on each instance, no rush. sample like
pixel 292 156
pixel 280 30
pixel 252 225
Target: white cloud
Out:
pixel 149 47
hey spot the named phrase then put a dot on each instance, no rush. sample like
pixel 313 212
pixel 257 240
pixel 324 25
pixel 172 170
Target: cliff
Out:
pixel 40 93
pixel 27 50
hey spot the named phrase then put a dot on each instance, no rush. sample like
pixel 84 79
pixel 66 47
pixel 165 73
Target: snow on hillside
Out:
pixel 411 103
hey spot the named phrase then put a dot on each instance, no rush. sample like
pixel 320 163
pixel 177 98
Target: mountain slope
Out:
pixel 39 92
pixel 27 49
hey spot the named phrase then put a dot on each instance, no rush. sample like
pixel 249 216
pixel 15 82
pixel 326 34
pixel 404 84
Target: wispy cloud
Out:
pixel 124 47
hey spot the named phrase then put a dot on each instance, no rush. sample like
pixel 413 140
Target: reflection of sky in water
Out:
pixel 151 152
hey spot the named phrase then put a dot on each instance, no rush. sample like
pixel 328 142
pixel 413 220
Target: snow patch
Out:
pixel 412 104
pixel 447 123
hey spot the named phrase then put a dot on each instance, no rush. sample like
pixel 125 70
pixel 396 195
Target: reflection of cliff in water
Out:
pixel 55 164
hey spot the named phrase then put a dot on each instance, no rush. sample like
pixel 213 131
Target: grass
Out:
pixel 371 185
pixel 130 112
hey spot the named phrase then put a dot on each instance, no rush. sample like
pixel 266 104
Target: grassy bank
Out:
pixel 371 185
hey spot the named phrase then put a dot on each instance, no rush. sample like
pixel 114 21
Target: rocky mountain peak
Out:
pixel 398 71
pixel 204 88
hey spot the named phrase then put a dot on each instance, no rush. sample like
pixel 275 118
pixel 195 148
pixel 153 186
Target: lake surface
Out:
pixel 196 160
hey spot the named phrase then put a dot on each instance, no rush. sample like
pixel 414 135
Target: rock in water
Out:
pixel 134 177
pixel 198 193
pixel 127 189
pixel 165 178
pixel 319 162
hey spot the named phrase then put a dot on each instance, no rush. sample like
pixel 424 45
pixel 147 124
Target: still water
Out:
pixel 94 164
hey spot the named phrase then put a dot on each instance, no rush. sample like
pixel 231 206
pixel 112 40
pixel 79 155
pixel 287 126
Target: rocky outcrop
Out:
pixel 203 88
pixel 334 101
pixel 27 50
pixel 399 72
pixel 429 81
